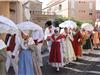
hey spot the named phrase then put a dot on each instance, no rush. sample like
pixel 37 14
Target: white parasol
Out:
pixel 32 26
pixel 68 24
pixel 62 25
pixel 87 26
pixel 28 26
pixel 61 31
pixel 7 26
pixel 97 23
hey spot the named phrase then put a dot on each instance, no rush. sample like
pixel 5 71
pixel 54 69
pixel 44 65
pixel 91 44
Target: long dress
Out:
pixel 96 38
pixel 38 39
pixel 35 60
pixel 69 51
pixel 56 52
pixel 48 33
pixel 25 65
pixel 84 37
pixel 76 44
pixel 2 63
pixel 88 43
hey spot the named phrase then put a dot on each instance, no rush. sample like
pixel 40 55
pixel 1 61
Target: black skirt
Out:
pixel 88 44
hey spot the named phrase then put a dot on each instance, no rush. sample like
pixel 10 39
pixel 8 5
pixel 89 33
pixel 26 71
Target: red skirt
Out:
pixel 55 53
pixel 77 48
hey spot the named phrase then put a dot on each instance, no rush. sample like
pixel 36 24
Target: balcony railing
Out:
pixel 42 12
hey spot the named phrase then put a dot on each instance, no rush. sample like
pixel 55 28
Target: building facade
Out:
pixel 14 10
pixel 84 10
pixel 11 9
pixel 37 15
pixel 58 7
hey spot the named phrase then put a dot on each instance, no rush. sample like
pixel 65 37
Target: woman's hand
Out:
pixel 13 57
pixel 5 49
pixel 48 38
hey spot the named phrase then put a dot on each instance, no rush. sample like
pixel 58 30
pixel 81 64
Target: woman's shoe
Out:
pixel 57 70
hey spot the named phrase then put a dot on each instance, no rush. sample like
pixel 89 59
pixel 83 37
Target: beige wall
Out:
pixel 41 19
pixel 12 10
pixel 19 12
pixel 35 6
pixel 37 16
pixel 4 9
pixel 16 12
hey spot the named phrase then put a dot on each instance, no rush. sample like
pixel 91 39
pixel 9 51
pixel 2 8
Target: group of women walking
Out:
pixel 67 46
pixel 64 47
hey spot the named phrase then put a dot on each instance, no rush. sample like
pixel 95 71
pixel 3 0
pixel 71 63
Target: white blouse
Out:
pixel 26 43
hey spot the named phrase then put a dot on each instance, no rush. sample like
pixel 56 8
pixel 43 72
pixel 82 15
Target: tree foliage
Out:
pixel 60 19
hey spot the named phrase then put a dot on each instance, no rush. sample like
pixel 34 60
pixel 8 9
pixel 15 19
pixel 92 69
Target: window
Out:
pixel 82 2
pixel 82 11
pixel 98 16
pixel 90 14
pixel 60 7
pixel 12 10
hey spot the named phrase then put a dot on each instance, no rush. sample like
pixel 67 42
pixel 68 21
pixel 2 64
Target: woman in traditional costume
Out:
pixel 95 38
pixel 49 31
pixel 77 43
pixel 69 54
pixel 88 43
pixel 27 57
pixel 56 52
pixel 84 36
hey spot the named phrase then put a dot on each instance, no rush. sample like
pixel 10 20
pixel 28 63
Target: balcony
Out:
pixel 42 13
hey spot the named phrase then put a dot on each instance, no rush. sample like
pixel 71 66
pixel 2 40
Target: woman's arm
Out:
pixel 2 55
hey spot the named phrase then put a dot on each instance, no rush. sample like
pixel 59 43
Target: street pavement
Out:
pixel 89 64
